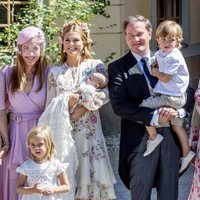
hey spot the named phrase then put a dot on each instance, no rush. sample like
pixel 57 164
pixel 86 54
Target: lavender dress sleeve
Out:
pixel 2 91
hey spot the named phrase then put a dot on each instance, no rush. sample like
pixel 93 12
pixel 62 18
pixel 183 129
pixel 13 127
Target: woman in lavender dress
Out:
pixel 26 97
pixel 4 142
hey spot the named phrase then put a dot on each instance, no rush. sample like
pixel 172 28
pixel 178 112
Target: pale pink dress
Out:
pixel 194 141
pixel 25 112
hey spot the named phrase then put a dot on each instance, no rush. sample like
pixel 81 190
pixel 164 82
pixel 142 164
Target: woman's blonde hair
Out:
pixel 17 79
pixel 45 133
pixel 170 29
pixel 85 36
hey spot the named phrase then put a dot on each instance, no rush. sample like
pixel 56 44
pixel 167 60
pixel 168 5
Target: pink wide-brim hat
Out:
pixel 29 33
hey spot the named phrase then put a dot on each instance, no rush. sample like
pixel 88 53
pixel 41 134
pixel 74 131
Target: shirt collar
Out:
pixel 138 57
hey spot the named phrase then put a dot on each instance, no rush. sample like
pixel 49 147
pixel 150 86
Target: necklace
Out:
pixel 75 74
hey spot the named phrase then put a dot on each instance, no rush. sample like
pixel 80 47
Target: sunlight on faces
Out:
pixel 97 80
pixel 73 43
pixel 167 44
pixel 93 81
pixel 38 147
pixel 31 51
pixel 138 38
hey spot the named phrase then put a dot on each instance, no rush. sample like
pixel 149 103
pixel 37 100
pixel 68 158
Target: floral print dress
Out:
pixel 94 175
pixel 194 141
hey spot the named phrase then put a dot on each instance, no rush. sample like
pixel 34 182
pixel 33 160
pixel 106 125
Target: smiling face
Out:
pixel 73 44
pixel 38 148
pixel 31 51
pixel 138 37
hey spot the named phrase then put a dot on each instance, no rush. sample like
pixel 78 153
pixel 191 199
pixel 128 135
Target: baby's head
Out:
pixel 98 80
pixel 169 33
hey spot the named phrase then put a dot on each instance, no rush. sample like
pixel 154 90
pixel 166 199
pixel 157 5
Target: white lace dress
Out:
pixel 45 174
pixel 94 175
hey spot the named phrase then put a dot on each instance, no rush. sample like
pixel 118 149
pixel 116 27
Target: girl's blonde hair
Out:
pixel 85 36
pixel 170 29
pixel 45 133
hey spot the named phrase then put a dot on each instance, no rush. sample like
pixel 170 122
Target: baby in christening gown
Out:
pixel 89 93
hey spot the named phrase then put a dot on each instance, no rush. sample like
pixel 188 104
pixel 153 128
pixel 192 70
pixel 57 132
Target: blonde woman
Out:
pixel 94 177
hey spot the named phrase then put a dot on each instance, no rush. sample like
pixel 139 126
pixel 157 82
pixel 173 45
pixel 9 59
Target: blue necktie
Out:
pixel 152 80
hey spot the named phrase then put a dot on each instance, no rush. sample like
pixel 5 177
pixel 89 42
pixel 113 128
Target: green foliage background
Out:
pixel 46 17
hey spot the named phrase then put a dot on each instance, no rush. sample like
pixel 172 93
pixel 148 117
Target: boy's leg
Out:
pixel 153 141
pixel 151 130
pixel 183 138
pixel 188 155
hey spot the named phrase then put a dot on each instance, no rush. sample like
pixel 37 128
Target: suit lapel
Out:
pixel 133 70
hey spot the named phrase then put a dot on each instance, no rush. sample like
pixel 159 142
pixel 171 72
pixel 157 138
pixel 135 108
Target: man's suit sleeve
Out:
pixel 123 104
pixel 190 100
pixel 188 107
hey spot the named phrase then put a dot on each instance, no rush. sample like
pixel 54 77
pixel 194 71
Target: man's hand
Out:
pixel 167 114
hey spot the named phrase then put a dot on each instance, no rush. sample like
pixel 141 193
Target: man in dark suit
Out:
pixel 128 86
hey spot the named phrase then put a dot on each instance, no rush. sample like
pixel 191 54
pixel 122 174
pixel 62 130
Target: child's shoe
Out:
pixel 152 144
pixel 185 161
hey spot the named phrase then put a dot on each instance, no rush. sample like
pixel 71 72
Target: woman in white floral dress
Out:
pixel 94 175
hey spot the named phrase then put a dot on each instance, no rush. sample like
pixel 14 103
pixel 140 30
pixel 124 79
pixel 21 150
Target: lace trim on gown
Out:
pixel 61 135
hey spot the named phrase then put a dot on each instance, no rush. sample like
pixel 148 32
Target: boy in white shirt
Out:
pixel 170 90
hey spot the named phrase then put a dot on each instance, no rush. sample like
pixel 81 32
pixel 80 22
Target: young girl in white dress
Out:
pixel 41 177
